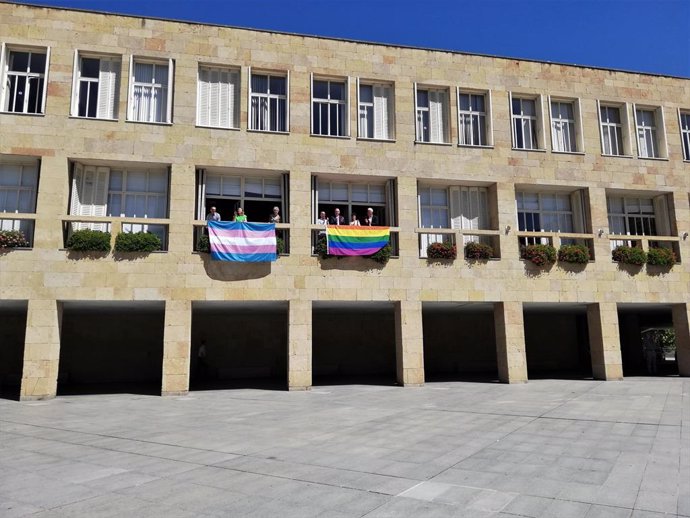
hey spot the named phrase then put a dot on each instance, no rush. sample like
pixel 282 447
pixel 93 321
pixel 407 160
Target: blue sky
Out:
pixel 642 35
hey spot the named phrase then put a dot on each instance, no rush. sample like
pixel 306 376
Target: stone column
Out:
pixel 176 347
pixel 681 325
pixel 598 210
pixel 409 343
pixel 41 350
pixel 299 345
pixel 182 199
pixel 604 341
pixel 510 342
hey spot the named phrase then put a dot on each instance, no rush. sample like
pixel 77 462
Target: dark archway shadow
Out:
pixel 84 389
pixel 385 380
pixel 10 392
pixel 466 377
pixel 273 384
pixel 574 375
pixel 234 271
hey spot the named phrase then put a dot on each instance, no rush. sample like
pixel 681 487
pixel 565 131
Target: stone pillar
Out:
pixel 299 345
pixel 598 212
pixel 41 350
pixel 182 200
pixel 604 341
pixel 409 343
pixel 176 347
pixel 681 325
pixel 505 217
pixel 510 342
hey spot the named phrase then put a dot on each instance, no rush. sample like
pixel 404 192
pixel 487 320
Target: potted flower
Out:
pixel 478 251
pixel 629 255
pixel 13 239
pixel 442 250
pixel 658 256
pixel 578 254
pixel 540 255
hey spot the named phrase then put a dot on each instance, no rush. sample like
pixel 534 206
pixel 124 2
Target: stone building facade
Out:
pixel 124 123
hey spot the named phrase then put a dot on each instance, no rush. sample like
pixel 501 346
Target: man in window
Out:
pixel 337 219
pixel 213 215
pixel 371 220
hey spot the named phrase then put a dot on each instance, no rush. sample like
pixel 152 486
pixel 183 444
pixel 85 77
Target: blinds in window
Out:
pixel 217 97
pixel 381 111
pixel 89 195
pixel 437 108
pixel 108 88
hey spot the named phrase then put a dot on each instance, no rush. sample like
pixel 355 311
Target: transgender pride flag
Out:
pixel 243 242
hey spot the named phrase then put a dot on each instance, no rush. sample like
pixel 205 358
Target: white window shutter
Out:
pixel 100 197
pixel 130 94
pixel 661 216
pixel 75 85
pixel 234 98
pixel 577 206
pixel 3 84
pixel 456 208
pixel 202 118
pixel 75 200
pixel 662 142
pixel 443 116
pixel 45 82
pixel 224 105
pixel 171 82
pixel 418 133
pixel 108 75
pixel 435 116
pixel 314 198
pixel 541 133
pixel 287 101
pixel 380 111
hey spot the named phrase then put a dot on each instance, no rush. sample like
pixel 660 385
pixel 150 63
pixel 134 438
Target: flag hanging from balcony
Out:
pixel 242 242
pixel 347 240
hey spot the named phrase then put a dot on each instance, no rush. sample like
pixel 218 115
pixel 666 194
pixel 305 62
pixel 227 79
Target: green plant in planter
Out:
pixel 321 247
pixel 478 251
pixel 383 255
pixel 661 257
pixel 89 241
pixel 13 239
pixel 629 255
pixel 202 244
pixel 280 245
pixel 441 251
pixel 142 242
pixel 539 254
pixel 573 254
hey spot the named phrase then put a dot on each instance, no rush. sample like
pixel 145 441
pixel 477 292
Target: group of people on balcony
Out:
pixel 371 220
pixel 240 216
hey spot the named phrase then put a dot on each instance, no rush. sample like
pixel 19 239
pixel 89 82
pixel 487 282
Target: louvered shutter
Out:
pixel 108 86
pixel 661 217
pixel 75 201
pixel 203 98
pixel 381 121
pixel 100 197
pixel 576 205
pixel 436 116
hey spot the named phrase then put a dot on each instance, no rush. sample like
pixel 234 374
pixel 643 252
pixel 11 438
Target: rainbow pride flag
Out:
pixel 242 242
pixel 346 240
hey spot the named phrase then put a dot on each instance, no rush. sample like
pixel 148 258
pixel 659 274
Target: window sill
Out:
pixel 475 147
pixel 657 158
pixel 76 117
pixel 579 153
pixel 366 139
pixel 339 137
pixel 217 127
pixel 250 130
pixel 149 122
pixel 424 143
pixel 616 156
pixel 24 114
pixel 536 150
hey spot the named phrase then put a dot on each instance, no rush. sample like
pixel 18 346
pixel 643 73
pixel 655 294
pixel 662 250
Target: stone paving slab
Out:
pixel 548 448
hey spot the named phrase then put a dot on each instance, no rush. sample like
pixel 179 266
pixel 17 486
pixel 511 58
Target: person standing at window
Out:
pixel 371 220
pixel 240 217
pixel 337 219
pixel 213 215
pixel 354 221
pixel 275 216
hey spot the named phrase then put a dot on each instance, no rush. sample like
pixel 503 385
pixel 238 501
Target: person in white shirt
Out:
pixel 323 220
pixel 354 221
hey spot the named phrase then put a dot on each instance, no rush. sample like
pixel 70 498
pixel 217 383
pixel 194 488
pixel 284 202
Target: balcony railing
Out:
pixel 646 242
pixel 25 223
pixel 282 233
pixel 556 239
pixel 115 225
pixel 458 236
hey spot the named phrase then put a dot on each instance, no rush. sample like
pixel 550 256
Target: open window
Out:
pixel 527 113
pixel 23 79
pixel 18 191
pixel 354 196
pixel 96 86
pixel 650 130
pixel 551 211
pixel 474 118
pixel 376 110
pixel 566 125
pixel 644 214
pixel 150 90
pixel 614 126
pixel 432 114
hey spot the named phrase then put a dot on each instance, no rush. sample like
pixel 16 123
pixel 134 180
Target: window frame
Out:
pixel 346 102
pixel 576 124
pixel 684 133
pixel 487 114
pixel 234 107
pixel 626 216
pixel 268 73
pixel 145 60
pixel 658 131
pixel 626 143
pixel 5 50
pixel 537 120
pixel 446 128
pixel 76 83
pixel 390 109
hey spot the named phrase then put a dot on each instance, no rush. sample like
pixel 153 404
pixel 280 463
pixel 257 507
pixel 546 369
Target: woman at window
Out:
pixel 275 216
pixel 354 221
pixel 240 216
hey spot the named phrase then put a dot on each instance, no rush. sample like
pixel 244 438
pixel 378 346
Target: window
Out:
pixel 96 88
pixel 431 107
pixel 527 120
pixel 473 122
pixel 685 133
pixel 564 131
pixel 256 194
pixel 24 75
pixel 376 112
pixel 150 91
pixel 129 193
pixel 549 212
pixel 354 197
pixel 329 107
pixel 651 137
pixel 638 215
pixel 218 97
pixel 18 186
pixel 611 130
pixel 268 101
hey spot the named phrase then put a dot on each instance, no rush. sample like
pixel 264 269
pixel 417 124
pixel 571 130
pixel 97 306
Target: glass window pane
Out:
pixel 320 89
pixel 90 67
pixel 422 99
pixel 517 108
pixel 528 107
pixel 439 197
pixel 324 191
pixel 366 94
pixel 360 192
pixel 212 184
pixel 424 196
pixel 339 192
pixel 114 205
pixel 10 175
pixel 277 85
pixel 19 61
pixel 232 186
pixel 338 91
pixel 38 63
pixel 377 193
pixel 464 102
pixel 136 181
pixel 158 182
pixel 259 84
pixel 253 187
pixel 272 188
pixel 478 103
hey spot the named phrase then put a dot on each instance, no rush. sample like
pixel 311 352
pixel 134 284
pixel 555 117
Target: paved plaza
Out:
pixel 553 448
